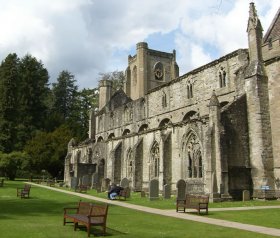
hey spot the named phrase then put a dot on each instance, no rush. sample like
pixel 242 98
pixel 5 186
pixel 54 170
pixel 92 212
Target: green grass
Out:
pixel 41 217
pixel 263 217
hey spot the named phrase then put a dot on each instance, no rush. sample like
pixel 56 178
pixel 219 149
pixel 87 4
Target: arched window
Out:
pixel 158 71
pixel 142 128
pixel 111 136
pixel 222 77
pixel 154 161
pixel 126 132
pixel 190 90
pixel 193 158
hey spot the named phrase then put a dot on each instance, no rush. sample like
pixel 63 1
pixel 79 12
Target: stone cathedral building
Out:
pixel 216 127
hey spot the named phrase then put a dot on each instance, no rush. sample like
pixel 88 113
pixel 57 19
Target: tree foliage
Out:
pixel 40 120
pixel 9 79
pixel 11 163
pixel 47 150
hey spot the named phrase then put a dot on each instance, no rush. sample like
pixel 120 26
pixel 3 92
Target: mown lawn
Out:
pixel 41 217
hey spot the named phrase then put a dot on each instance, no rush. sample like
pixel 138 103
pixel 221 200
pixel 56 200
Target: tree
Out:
pixel 11 163
pixel 9 79
pixel 48 150
pixel 117 77
pixel 33 91
pixel 65 94
pixel 88 98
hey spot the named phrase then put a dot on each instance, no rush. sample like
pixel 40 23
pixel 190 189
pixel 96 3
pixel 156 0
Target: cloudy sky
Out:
pixel 87 37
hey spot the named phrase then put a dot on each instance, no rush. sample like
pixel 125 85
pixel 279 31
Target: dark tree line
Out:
pixel 37 119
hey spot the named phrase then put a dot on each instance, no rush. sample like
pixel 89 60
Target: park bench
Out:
pixel 1 182
pixel 71 212
pixel 81 188
pixel 24 192
pixel 87 214
pixel 198 202
pixel 123 194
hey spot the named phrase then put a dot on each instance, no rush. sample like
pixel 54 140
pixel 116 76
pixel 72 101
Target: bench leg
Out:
pixel 104 229
pixel 75 225
pixel 88 230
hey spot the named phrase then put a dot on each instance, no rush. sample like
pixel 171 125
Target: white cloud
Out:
pixel 83 36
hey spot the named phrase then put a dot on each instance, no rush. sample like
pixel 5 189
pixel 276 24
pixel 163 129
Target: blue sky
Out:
pixel 88 37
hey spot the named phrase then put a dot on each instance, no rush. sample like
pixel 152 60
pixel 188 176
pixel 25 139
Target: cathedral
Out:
pixel 216 127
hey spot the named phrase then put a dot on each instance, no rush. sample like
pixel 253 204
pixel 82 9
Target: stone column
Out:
pixel 214 124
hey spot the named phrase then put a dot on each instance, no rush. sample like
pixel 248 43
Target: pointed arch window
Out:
pixel 222 77
pixel 154 161
pixel 193 157
pixel 190 90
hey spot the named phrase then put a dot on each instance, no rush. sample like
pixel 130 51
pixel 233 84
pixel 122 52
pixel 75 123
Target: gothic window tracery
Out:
pixel 193 157
pixel 154 161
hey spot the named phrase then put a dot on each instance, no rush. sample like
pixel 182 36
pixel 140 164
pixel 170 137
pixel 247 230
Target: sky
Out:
pixel 89 37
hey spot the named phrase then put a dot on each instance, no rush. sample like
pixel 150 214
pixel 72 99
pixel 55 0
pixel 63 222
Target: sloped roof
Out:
pixel 273 31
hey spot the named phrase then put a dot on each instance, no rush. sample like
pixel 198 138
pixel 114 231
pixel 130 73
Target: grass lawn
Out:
pixel 41 217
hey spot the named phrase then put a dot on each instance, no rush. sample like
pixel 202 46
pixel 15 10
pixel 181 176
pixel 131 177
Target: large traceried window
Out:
pixel 193 157
pixel 154 161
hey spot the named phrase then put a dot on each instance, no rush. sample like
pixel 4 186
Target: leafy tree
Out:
pixel 9 78
pixel 48 150
pixel 88 98
pixel 117 77
pixel 11 163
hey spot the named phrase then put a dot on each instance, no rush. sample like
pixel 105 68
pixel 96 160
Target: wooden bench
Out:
pixel 96 217
pixel 81 188
pixel 87 214
pixel 123 194
pixel 198 202
pixel 70 212
pixel 24 192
